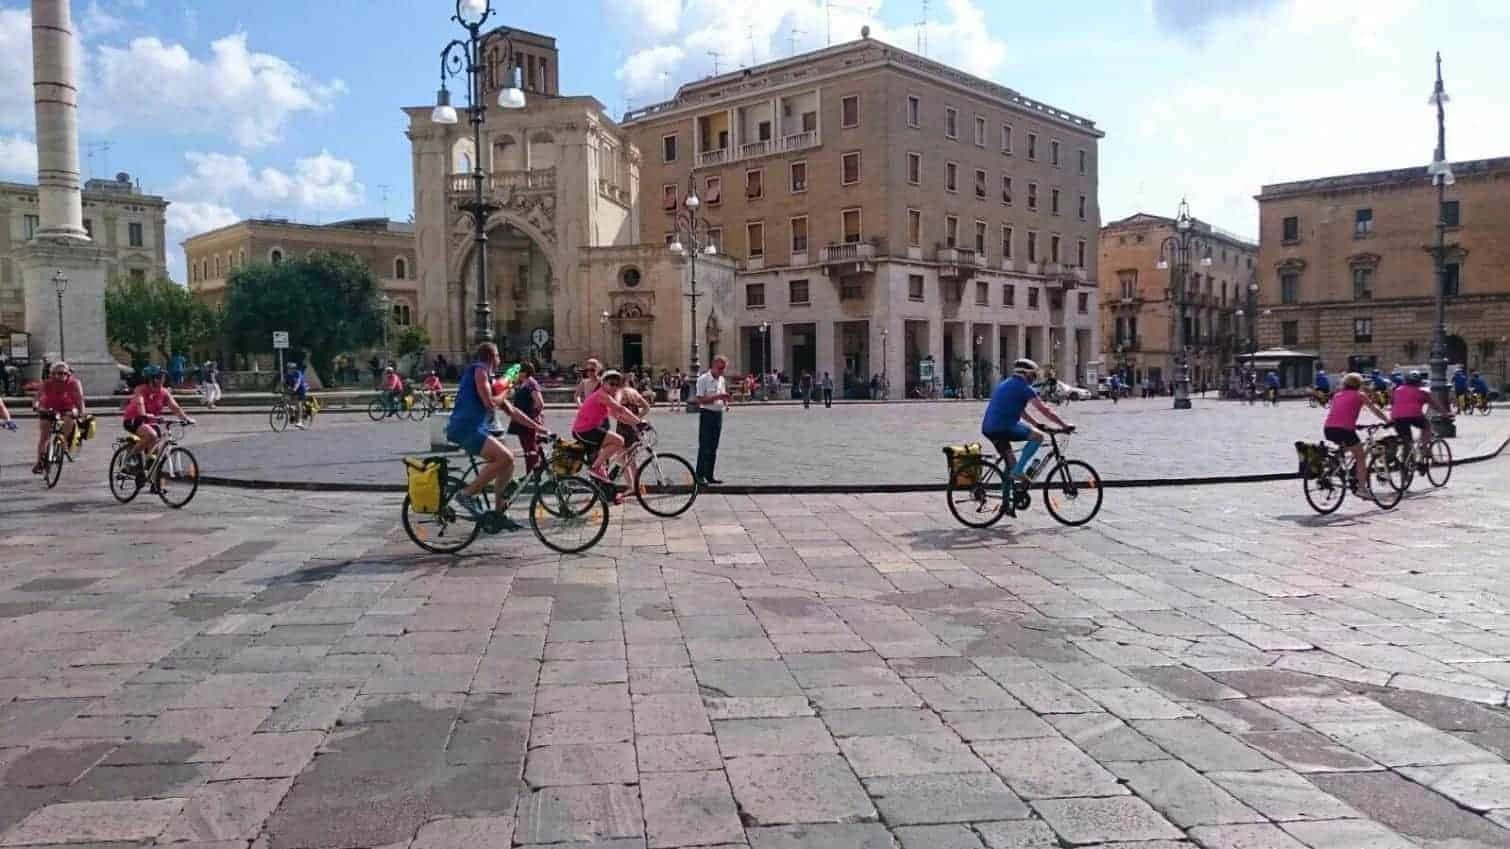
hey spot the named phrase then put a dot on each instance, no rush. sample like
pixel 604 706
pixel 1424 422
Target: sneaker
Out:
pixel 299 425
pixel 38 468
pixel 507 524
pixel 471 505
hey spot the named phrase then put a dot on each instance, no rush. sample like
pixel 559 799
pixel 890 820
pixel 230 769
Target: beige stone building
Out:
pixel 885 210
pixel 128 225
pixel 1138 305
pixel 1347 270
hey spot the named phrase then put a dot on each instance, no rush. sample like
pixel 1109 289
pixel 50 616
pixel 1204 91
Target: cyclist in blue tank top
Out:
pixel 471 425
pixel 1003 422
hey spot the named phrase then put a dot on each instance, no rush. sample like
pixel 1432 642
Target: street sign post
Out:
pixel 280 344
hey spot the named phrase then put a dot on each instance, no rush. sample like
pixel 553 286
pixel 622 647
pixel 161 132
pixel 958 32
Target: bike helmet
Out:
pixel 58 366
pixel 1414 378
pixel 1024 366
pixel 150 372
pixel 611 374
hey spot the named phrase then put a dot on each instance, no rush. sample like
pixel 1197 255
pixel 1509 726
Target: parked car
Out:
pixel 1061 390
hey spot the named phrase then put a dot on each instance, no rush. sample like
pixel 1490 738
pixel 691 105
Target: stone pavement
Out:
pixel 1207 667
pixel 857 444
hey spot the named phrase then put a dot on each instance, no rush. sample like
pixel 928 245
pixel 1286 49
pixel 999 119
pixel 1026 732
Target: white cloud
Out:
pixel 316 184
pixel 15 69
pixel 190 218
pixel 98 20
pixel 648 70
pixel 18 158
pixel 657 17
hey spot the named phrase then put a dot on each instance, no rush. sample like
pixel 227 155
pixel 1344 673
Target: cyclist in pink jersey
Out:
pixel 145 406
pixel 61 399
pixel 591 423
pixel 1407 408
pixel 1341 424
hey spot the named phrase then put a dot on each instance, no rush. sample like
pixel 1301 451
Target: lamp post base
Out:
pixel 1444 427
pixel 1181 403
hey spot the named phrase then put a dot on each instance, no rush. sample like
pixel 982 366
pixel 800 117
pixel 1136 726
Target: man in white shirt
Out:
pixel 712 398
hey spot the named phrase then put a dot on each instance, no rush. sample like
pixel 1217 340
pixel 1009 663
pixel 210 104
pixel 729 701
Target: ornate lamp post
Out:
pixel 603 323
pixel 465 57
pixel 885 387
pixel 765 355
pixel 60 285
pixel 385 314
pixel 1174 255
pixel 1441 174
pixel 693 237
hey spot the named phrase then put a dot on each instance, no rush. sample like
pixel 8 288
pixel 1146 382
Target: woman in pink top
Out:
pixel 1407 407
pixel 591 424
pixel 146 406
pixel 61 398
pixel 1341 424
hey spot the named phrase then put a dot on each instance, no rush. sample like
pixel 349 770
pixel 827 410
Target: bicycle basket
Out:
pixel 964 463
pixel 425 476
pixel 87 427
pixel 1312 459
pixel 568 458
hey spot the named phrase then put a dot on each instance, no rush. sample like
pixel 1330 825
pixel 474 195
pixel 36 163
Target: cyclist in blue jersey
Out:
pixel 1460 386
pixel 471 428
pixel 1003 423
pixel 1478 385
pixel 295 384
pixel 1377 379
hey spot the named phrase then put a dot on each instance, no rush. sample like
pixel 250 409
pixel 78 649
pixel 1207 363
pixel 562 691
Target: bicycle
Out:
pixel 284 413
pixel 172 470
pixel 58 450
pixel 1319 398
pixel 568 514
pixel 976 498
pixel 1477 402
pixel 1327 477
pixel 1435 462
pixel 423 406
pixel 384 406
pixel 667 484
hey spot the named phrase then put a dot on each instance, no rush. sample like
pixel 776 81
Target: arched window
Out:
pixel 217 266
pixel 275 256
pixel 400 268
pixel 241 258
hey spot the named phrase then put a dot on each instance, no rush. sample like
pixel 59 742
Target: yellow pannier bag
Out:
pixel 964 463
pixel 425 477
pixel 568 457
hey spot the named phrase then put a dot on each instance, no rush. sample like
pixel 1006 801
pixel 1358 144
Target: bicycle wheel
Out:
pixel 979 504
pixel 1396 471
pixel 377 409
pixel 445 532
pixel 668 485
pixel 1381 487
pixel 1439 467
pixel 1072 492
pixel 277 418
pixel 124 483
pixel 1326 492
pixel 54 461
pixel 569 515
pixel 177 477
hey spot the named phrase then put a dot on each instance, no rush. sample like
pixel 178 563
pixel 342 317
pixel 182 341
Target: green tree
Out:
pixel 326 302
pixel 413 340
pixel 146 315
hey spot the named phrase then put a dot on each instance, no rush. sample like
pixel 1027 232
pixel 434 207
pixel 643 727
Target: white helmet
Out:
pixel 1023 366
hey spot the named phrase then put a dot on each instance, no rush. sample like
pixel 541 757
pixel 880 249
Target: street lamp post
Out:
pixel 1441 174
pixel 692 237
pixel 765 354
pixel 385 307
pixel 1174 255
pixel 60 285
pixel 885 350
pixel 603 323
pixel 465 57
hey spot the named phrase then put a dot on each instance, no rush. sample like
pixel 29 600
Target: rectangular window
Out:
pixel 1083 303
pixel 1006 190
pixel 89 227
pixel 851 167
pixel 1054 153
pixel 668 148
pixel 851 221
pixel 1363 222
pixel 799 234
pixel 915 287
pixel 1033 146
pixel 1289 332
pixel 951 231
pixel 980 131
pixel 1006 139
pixel 1033 197
pixel 1032 246
pixel 1054 248
pixel 951 122
pixel 980 183
pixel 951 177
pixel 980 238
pixel 849 111
pixel 1008 295
pixel 914 107
pixel 1363 330
pixel 1289 287
pixel 1006 241
pixel 851 289
pixel 755 183
pixel 1032 297
pixel 1080 208
pixel 755 236
pixel 138 275
pixel 713 191
pixel 668 197
pixel 1450 214
pixel 798 177
pixel 754 295
pixel 134 234
pixel 1291 229
pixel 1053 201
pixel 914 227
pixel 915 168
pixel 1451 283
pixel 1084 159
pixel 763 131
pixel 31 223
pixel 810 122
pixel 1129 281
pixel 1363 284
pixel 1080 253
pixel 797 294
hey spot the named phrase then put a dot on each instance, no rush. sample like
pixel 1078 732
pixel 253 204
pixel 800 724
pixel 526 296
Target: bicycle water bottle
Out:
pixel 1033 467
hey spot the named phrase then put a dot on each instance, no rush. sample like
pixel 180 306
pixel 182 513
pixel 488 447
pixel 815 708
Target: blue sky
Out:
pixel 290 107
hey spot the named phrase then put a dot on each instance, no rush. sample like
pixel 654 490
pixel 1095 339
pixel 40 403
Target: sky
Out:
pixel 292 107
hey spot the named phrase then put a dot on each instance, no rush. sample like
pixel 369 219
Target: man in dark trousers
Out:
pixel 805 386
pixel 712 398
pixel 828 391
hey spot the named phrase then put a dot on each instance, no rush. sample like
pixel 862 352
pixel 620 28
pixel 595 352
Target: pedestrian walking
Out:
pixel 828 391
pixel 211 384
pixel 712 398
pixel 806 387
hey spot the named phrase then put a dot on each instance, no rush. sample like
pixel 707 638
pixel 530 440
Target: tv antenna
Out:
pixel 102 148
pixel 828 15
pixel 750 31
pixel 715 54
pixel 383 189
pixel 922 31
pixel 793 38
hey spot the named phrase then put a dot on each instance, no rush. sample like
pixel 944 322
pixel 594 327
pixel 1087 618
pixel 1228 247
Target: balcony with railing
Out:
pixel 959 263
pixel 1128 344
pixel 846 259
pixel 542 180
